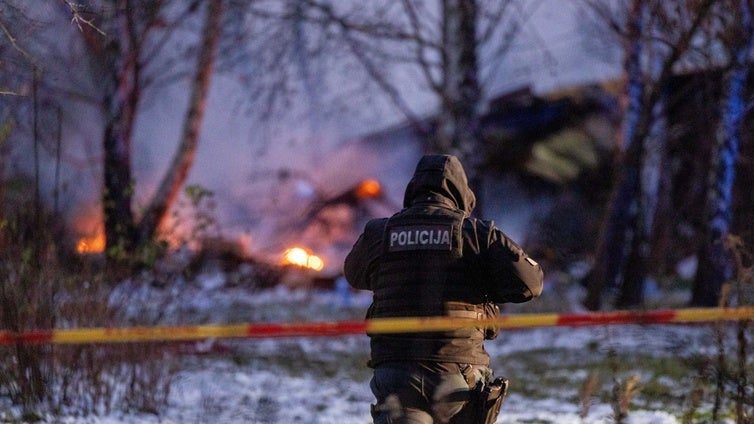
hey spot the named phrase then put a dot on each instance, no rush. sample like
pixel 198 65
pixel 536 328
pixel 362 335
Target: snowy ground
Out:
pixel 325 380
pixel 223 391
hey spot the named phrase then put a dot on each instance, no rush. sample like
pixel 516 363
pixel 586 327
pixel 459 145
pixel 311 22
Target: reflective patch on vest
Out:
pixel 419 237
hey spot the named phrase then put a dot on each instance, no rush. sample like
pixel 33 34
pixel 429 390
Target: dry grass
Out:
pixel 38 291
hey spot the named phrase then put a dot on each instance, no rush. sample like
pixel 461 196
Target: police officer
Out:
pixel 432 259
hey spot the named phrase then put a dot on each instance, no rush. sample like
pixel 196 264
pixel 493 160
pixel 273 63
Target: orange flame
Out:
pixel 88 226
pixel 368 188
pixel 300 257
pixel 95 244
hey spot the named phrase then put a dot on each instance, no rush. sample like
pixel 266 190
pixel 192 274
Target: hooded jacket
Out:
pixel 432 259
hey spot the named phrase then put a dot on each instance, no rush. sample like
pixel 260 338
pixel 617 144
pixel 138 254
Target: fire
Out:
pixel 299 256
pixel 95 244
pixel 88 225
pixel 368 188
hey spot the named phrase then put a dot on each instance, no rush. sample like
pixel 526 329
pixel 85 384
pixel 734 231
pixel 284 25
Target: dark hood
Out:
pixel 440 178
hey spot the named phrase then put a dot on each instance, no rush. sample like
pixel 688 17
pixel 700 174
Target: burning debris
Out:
pixel 306 251
pixel 354 197
pixel 298 256
pixel 91 245
pixel 330 224
pixel 368 188
pixel 88 230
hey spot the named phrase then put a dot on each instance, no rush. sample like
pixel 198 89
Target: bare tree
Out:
pixel 460 96
pixel 438 43
pixel 446 51
pixel 14 65
pixel 715 263
pixel 123 37
pixel 657 37
pixel 184 156
pixel 116 56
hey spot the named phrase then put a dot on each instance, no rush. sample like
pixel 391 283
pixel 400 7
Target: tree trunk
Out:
pixel 186 152
pixel 622 209
pixel 120 100
pixel 631 293
pixel 458 126
pixel 715 266
pixel 622 248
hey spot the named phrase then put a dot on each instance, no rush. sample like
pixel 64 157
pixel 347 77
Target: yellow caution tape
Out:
pixel 373 326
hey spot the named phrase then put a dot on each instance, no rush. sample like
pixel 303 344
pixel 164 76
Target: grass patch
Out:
pixel 319 358
pixel 669 383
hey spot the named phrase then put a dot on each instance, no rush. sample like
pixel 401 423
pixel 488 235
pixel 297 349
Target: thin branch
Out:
pixel 14 44
pixel 391 91
pixel 509 34
pixel 387 31
pixel 11 93
pixel 421 46
pixel 79 20
pixel 374 71
pixel 680 47
pixel 159 44
pixel 605 14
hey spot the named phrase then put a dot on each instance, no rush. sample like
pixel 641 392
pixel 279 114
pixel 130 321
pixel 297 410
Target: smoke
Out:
pixel 266 175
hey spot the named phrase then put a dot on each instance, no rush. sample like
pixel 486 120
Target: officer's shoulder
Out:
pixel 375 224
pixel 479 224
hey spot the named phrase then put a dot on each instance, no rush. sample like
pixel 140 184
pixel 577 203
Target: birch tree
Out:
pixel 115 53
pixel 715 263
pixel 657 36
pixel 124 37
pixel 184 156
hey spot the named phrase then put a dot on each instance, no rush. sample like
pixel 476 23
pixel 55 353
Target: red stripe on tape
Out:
pixel 7 338
pixel 618 317
pixel 306 329
pixel 28 337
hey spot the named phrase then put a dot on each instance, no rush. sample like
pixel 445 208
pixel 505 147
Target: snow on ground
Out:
pixel 225 393
pixel 325 380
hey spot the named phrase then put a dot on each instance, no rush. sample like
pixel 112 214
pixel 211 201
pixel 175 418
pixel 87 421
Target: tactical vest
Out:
pixel 422 272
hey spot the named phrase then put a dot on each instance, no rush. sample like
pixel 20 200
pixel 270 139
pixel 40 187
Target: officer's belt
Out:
pixel 459 313
pixel 466 314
